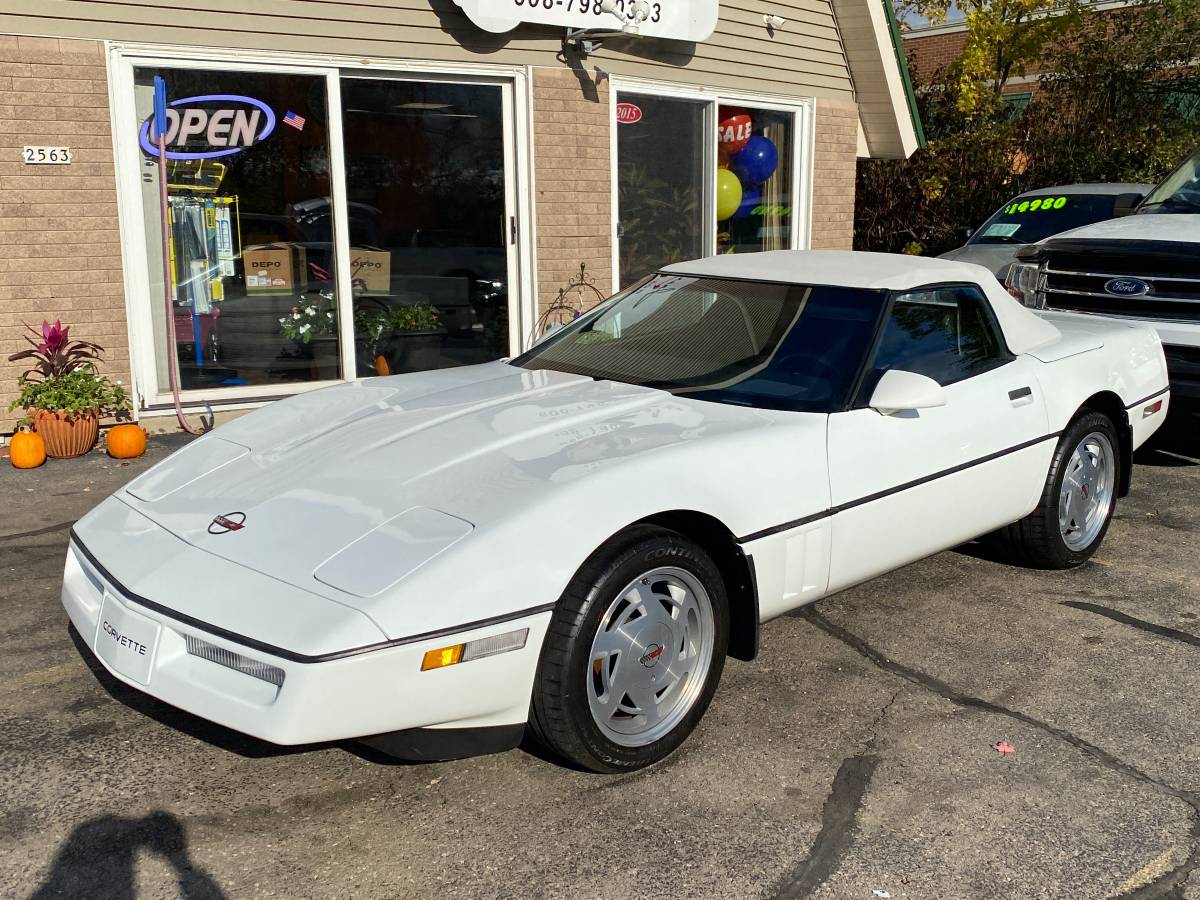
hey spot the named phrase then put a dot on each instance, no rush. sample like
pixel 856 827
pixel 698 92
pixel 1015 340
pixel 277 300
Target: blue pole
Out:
pixel 159 125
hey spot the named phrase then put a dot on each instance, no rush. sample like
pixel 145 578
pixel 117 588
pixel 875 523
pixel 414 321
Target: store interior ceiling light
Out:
pixel 415 105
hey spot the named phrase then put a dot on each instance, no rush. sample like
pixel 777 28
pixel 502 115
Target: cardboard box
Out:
pixel 273 270
pixel 371 271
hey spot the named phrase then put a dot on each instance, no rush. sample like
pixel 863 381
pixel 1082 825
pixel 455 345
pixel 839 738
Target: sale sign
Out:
pixel 734 129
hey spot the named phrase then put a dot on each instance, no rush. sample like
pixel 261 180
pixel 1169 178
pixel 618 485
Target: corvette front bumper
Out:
pixel 290 702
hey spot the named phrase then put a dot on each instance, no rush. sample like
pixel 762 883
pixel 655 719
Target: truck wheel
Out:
pixel 1077 501
pixel 633 654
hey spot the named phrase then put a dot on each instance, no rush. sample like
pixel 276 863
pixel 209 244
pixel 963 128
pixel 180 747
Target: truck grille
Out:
pixel 1076 282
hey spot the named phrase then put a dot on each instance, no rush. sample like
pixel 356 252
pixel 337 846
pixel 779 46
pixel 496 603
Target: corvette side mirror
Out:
pixel 899 390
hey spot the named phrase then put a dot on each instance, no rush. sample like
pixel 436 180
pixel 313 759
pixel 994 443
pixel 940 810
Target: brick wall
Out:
pixel 572 172
pixel 928 54
pixel 60 255
pixel 835 155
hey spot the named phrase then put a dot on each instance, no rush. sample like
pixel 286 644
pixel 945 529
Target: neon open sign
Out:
pixel 224 123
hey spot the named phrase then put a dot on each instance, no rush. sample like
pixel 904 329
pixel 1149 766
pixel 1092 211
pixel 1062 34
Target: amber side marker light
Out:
pixel 478 649
pixel 1152 408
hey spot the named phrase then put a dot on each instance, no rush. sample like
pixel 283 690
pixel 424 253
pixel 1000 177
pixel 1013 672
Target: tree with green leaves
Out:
pixel 1119 100
pixel 1004 37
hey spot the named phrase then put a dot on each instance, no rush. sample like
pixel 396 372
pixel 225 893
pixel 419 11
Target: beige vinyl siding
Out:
pixel 804 58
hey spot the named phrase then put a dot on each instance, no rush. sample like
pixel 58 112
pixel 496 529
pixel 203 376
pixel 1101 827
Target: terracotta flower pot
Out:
pixel 66 436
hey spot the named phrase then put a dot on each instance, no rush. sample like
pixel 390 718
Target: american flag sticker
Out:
pixel 294 120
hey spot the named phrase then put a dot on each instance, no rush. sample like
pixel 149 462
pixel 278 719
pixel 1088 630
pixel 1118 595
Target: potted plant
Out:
pixel 315 326
pixel 403 338
pixel 63 394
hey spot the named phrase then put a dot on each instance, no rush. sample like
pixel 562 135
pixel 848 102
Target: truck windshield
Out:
pixel 749 343
pixel 1179 192
pixel 1026 220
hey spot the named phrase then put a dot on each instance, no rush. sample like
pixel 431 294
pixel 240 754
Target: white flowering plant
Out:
pixel 306 322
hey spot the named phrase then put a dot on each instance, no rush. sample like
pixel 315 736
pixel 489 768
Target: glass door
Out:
pixel 662 216
pixel 248 234
pixel 431 221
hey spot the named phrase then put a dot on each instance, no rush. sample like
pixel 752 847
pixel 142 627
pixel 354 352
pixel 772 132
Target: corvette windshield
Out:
pixel 776 346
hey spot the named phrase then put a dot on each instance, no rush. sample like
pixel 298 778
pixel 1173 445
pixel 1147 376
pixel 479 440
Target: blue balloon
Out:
pixel 755 162
pixel 750 199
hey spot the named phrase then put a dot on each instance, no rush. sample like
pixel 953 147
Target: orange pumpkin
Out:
pixel 125 441
pixel 27 450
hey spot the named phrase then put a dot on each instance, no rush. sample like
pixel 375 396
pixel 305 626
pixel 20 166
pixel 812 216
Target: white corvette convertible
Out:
pixel 572 541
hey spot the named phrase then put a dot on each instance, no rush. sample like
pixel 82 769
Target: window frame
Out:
pixel 801 159
pixel 152 398
pixel 866 384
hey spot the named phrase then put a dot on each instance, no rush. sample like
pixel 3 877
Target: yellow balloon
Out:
pixel 729 194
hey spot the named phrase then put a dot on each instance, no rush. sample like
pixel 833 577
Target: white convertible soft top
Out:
pixel 1023 331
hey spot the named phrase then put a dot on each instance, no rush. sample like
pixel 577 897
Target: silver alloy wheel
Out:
pixel 1087 491
pixel 650 656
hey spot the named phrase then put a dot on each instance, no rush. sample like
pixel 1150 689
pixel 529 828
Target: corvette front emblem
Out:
pixel 226 522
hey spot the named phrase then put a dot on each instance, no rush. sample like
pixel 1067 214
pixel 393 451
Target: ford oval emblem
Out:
pixel 1127 287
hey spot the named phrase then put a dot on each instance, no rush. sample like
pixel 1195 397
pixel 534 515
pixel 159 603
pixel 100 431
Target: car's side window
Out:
pixel 946 333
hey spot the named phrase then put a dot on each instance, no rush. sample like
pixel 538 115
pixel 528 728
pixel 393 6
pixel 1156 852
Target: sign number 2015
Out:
pixel 53 156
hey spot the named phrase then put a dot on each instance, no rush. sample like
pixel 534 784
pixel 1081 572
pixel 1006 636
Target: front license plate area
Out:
pixel 126 640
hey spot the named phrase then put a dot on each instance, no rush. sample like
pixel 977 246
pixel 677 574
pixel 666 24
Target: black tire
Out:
pixel 1037 540
pixel 560 716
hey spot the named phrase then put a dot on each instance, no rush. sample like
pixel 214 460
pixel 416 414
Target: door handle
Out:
pixel 1021 396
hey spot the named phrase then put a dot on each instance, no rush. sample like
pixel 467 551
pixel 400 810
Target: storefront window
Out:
pixel 754 179
pixel 660 182
pixel 250 232
pixel 428 223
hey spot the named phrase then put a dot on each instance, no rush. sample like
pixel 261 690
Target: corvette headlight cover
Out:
pixel 231 660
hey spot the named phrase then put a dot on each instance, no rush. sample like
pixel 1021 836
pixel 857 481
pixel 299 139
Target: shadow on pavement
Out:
pixel 98 858
pixel 1177 443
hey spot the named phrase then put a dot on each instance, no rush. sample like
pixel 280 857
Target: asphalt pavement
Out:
pixel 855 758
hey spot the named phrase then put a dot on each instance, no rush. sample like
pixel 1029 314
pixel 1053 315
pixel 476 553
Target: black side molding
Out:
pixel 879 495
pixel 1020 393
pixel 1147 399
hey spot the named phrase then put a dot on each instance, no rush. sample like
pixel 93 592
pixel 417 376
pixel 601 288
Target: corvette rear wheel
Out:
pixel 633 654
pixel 1078 499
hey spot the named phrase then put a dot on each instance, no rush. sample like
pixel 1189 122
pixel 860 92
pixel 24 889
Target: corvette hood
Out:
pixel 315 489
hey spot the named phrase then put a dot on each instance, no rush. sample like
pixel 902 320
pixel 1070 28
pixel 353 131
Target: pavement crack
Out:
pixel 1170 883
pixel 1165 631
pixel 967 701
pixel 872 739
pixel 49 529
pixel 839 825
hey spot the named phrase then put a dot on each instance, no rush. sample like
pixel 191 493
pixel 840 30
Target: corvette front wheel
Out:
pixel 633 654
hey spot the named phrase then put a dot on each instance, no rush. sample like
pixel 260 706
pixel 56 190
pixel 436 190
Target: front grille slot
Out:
pixel 1173 293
